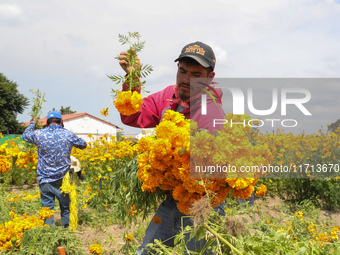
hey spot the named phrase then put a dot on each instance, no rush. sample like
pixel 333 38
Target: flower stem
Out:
pixel 217 235
pixel 162 247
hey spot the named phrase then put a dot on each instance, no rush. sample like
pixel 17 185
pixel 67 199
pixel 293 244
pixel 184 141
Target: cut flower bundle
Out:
pixel 171 155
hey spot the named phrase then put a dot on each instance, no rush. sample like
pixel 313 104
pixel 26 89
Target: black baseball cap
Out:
pixel 200 52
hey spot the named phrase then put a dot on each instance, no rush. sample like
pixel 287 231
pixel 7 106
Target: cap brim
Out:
pixel 199 60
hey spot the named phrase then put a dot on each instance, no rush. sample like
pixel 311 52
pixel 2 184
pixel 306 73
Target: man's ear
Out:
pixel 211 75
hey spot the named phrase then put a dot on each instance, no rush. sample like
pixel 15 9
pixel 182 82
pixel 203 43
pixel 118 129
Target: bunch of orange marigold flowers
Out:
pixel 14 229
pixel 5 165
pixel 128 102
pixel 178 145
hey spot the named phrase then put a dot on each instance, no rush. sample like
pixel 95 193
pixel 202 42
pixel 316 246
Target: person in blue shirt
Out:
pixel 54 145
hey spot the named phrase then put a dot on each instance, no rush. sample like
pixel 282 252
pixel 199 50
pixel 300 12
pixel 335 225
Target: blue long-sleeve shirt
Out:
pixel 54 145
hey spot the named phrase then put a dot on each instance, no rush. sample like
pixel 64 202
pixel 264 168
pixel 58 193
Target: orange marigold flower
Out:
pixel 184 207
pixel 4 164
pixel 261 190
pixel 244 194
pixel 144 144
pixel 45 213
pixel 128 238
pixel 128 102
pixel 96 249
pixel 156 220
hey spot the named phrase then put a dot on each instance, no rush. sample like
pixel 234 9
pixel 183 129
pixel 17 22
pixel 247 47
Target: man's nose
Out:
pixel 186 78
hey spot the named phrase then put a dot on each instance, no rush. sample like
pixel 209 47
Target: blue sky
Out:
pixel 67 48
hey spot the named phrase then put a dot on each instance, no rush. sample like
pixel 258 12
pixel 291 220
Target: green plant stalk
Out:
pixel 9 174
pixel 38 100
pixel 217 235
pixel 137 72
pixel 132 62
pixel 35 240
pixel 163 248
pixel 132 73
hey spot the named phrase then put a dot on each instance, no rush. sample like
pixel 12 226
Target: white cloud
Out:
pixel 220 53
pixel 11 15
pixel 71 45
pixel 10 10
pixel 97 72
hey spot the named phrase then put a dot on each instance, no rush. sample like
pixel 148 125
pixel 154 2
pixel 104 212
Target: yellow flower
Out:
pixel 256 122
pixel 45 213
pixel 96 249
pixel 128 102
pixel 133 210
pixel 299 214
pixel 4 164
pixel 128 238
pixel 145 143
pixel 104 112
pixel 70 188
pixel 261 190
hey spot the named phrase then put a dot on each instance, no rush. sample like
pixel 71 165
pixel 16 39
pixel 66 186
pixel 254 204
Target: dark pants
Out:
pixel 48 193
pixel 171 225
pixel 243 202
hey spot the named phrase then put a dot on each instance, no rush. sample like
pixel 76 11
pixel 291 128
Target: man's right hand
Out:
pixel 125 63
pixel 34 120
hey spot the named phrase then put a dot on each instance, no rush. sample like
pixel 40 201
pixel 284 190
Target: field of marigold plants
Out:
pixel 126 180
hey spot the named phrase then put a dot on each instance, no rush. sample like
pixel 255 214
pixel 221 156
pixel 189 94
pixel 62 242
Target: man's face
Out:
pixel 185 73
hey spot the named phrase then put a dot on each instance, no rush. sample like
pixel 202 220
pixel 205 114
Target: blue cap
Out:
pixel 54 114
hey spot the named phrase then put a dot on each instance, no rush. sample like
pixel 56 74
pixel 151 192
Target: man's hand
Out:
pixel 34 120
pixel 125 63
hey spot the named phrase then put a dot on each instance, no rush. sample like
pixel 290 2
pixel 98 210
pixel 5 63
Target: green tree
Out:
pixel 11 103
pixel 66 110
pixel 332 127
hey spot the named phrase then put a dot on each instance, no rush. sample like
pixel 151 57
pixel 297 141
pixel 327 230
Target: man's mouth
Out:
pixel 185 86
